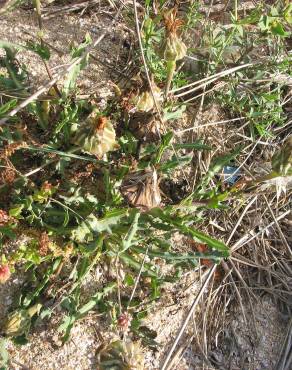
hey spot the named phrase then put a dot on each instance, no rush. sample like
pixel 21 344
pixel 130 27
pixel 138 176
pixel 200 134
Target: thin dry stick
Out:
pixel 229 271
pixel 247 238
pixel 208 124
pixel 187 319
pixel 285 360
pixel 279 228
pixel 138 278
pixel 240 219
pixel 51 83
pixel 212 78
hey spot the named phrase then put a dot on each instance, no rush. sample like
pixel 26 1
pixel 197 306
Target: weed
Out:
pixel 83 183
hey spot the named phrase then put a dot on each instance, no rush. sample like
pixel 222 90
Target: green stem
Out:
pixel 34 309
pixel 170 68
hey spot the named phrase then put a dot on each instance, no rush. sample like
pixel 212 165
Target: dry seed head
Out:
pixel 7 176
pixel 18 322
pixel 124 321
pixel 4 217
pixel 44 243
pixel 145 126
pixel 144 102
pixel 101 122
pixel 141 189
pixel 96 136
pixel 134 355
pixel 171 22
pixel 10 149
pixel 119 355
pixel 172 47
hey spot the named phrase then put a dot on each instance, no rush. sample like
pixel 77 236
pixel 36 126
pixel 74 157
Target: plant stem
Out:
pixel 171 66
pixel 37 4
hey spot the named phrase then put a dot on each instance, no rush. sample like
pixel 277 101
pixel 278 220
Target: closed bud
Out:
pixel 173 49
pixel 18 322
pixel 96 136
pixel 145 102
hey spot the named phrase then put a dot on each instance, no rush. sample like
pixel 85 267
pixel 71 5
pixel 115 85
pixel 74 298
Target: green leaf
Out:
pixel 187 230
pixel 70 81
pixel 42 50
pixel 7 231
pixel 165 142
pixel 175 162
pixel 91 225
pixel 69 320
pixel 4 355
pixel 95 299
pixel 278 30
pixel 178 257
pixel 172 115
pixel 204 238
pixel 48 149
pixel 252 18
pixel 132 262
pixel 128 239
pixel 196 145
pixel 287 14
pixel 7 107
pixel 6 44
pixel 129 280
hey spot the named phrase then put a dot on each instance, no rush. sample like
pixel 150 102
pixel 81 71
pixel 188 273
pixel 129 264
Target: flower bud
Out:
pixel 96 136
pixel 145 102
pixel 122 355
pixel 18 322
pixel 4 217
pixel 173 49
pixel 4 273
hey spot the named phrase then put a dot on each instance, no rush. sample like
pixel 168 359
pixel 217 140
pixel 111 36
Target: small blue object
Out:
pixel 231 174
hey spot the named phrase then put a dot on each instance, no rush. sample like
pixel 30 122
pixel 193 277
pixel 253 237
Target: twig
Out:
pixel 209 124
pixel 247 238
pixel 138 277
pixel 285 358
pixel 209 79
pixel 187 319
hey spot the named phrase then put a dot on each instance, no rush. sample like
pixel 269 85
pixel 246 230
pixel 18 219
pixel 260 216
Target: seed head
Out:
pixel 44 244
pixel 124 321
pixel 4 217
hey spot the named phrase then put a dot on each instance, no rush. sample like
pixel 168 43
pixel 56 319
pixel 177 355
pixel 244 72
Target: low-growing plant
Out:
pixel 82 186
